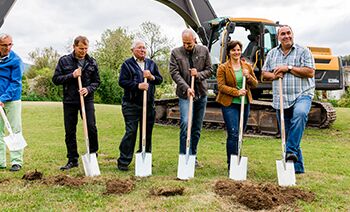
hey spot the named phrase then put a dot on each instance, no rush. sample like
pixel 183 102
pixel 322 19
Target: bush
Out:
pixel 109 91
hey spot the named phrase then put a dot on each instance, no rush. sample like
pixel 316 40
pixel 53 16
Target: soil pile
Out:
pixel 65 180
pixel 261 196
pixel 163 191
pixel 119 186
pixel 35 175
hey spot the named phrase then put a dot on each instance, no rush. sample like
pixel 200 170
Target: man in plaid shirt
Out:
pixel 295 65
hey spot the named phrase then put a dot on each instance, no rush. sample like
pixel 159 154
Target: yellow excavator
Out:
pixel 258 36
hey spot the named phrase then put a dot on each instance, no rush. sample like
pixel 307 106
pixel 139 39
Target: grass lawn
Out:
pixel 326 154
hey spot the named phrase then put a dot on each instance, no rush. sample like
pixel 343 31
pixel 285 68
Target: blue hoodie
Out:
pixel 11 71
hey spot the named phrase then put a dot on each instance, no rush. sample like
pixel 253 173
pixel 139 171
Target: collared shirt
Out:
pixel 4 58
pixel 293 86
pixel 141 63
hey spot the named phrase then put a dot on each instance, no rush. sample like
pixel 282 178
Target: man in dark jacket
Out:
pixel 68 69
pixel 131 78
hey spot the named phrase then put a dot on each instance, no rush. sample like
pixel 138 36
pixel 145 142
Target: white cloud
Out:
pixel 42 23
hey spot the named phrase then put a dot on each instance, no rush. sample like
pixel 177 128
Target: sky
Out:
pixel 54 23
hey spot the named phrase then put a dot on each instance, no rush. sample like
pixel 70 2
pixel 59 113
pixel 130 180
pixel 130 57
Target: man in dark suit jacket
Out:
pixel 131 78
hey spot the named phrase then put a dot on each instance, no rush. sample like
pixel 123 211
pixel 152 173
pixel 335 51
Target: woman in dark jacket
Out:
pixel 230 79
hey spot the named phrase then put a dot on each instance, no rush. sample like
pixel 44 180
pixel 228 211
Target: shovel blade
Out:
pixel 143 164
pixel 90 163
pixel 238 168
pixel 285 175
pixel 15 142
pixel 186 167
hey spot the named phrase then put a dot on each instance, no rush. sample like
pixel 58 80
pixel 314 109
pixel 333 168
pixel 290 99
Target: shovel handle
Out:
pixel 240 137
pixel 189 121
pixel 6 121
pixel 144 116
pixel 83 114
pixel 283 134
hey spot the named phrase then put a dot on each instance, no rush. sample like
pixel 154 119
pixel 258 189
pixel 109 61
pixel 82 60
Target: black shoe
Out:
pixel 69 165
pixel 123 167
pixel 291 156
pixel 15 168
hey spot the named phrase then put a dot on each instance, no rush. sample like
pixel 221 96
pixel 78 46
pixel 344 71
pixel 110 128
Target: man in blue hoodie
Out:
pixel 11 70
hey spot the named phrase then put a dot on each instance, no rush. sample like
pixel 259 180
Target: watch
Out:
pixel 290 68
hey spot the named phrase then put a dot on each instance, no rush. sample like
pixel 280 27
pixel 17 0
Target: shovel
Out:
pixel 285 170
pixel 14 141
pixel 90 163
pixel 143 163
pixel 238 166
pixel 185 169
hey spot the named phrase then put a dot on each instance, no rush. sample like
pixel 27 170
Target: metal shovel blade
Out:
pixel 285 175
pixel 238 168
pixel 143 164
pixel 186 167
pixel 90 163
pixel 15 142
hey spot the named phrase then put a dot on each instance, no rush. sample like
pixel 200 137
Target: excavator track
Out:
pixel 262 119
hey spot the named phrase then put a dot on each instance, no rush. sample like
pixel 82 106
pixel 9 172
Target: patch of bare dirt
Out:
pixel 262 196
pixel 167 191
pixel 118 186
pixel 65 180
pixel 4 180
pixel 35 175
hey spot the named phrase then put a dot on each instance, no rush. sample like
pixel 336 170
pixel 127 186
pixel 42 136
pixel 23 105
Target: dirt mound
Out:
pixel 261 196
pixel 65 180
pixel 163 191
pixel 35 175
pixel 119 186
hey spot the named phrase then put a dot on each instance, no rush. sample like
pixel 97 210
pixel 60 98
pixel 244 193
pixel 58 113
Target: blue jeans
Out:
pixel 231 116
pixel 197 122
pixel 295 119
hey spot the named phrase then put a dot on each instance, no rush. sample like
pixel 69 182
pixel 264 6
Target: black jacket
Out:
pixel 130 77
pixel 64 76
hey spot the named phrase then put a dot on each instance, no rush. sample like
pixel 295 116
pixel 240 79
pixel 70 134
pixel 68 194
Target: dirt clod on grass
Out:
pixel 4 180
pixel 35 175
pixel 118 186
pixel 167 191
pixel 261 196
pixel 65 180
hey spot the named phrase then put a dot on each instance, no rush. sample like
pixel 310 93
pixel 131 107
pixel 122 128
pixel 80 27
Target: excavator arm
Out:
pixel 5 6
pixel 196 13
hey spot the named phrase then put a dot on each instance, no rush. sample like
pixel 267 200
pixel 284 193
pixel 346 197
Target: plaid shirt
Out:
pixel 293 86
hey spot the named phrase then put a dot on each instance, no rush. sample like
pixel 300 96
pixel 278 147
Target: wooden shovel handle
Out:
pixel 189 122
pixel 6 121
pixel 83 114
pixel 240 138
pixel 283 134
pixel 144 116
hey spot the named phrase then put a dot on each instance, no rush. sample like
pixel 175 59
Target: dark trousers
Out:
pixel 133 117
pixel 70 123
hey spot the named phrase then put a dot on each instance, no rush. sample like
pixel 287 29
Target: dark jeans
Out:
pixel 133 117
pixel 70 124
pixel 231 116
pixel 295 119
pixel 197 122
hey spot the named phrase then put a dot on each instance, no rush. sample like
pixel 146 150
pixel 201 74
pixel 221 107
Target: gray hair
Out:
pixel 189 31
pixel 4 36
pixel 135 42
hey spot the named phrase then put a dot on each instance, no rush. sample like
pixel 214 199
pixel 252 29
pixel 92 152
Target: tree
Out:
pixel 111 52
pixel 45 58
pixel 158 46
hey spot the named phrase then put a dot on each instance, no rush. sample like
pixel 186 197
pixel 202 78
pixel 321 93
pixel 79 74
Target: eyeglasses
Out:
pixel 6 45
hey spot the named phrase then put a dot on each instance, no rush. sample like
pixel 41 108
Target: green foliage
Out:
pixel 45 58
pixel 109 91
pixel 41 87
pixel 113 49
pixel 345 99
